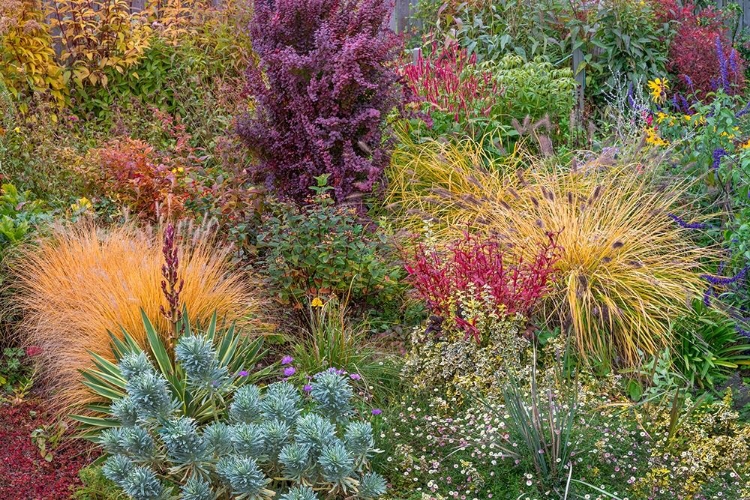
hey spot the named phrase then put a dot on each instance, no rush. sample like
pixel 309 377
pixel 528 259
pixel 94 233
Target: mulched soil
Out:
pixel 24 474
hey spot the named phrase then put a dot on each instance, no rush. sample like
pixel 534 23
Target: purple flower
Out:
pixel 355 376
pixel 287 360
pixel 723 69
pixel 719 280
pixel 743 111
pixel 377 411
pixel 686 225
pixel 242 373
pixel 289 371
pixel 307 388
pixel 718 154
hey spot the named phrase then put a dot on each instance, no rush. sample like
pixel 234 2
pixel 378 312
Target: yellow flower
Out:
pixel 659 89
pixel 745 145
pixel 81 205
pixel 661 116
pixel 652 137
pixel 316 302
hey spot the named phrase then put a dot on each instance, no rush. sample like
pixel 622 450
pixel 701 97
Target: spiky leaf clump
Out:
pixel 197 356
pixel 245 477
pixel 299 493
pixel 372 485
pixel 197 489
pixel 332 394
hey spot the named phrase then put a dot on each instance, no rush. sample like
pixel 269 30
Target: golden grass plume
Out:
pixel 627 266
pixel 84 281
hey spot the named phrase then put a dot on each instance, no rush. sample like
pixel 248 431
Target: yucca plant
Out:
pixel 237 356
pixel 626 268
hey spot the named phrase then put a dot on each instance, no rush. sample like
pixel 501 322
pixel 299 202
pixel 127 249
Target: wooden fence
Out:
pixel 744 6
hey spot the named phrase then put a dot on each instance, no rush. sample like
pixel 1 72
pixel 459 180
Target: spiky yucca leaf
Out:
pixel 235 351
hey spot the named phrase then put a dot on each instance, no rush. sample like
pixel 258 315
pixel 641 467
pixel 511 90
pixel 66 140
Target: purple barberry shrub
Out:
pixel 325 81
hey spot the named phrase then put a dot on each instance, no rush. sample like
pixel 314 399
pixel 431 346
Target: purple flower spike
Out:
pixel 355 376
pixel 307 388
pixel 242 373
pixel 289 371
pixel 377 411
pixel 287 360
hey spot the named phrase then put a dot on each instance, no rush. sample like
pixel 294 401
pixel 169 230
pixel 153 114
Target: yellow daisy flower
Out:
pixel 659 89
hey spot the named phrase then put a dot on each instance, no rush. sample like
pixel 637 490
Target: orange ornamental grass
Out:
pixel 84 282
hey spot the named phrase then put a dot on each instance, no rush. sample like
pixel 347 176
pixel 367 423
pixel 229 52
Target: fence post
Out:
pixel 401 17
pixel 580 76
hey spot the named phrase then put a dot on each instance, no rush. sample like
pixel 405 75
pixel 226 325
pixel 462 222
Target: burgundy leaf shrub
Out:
pixel 479 268
pixel 325 82
pixel 701 54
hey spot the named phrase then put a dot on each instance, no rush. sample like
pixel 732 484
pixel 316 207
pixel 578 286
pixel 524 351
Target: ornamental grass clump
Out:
pixel 199 426
pixel 626 268
pixel 84 282
pixel 322 89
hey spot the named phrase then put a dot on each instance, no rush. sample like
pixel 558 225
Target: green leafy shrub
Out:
pixel 322 249
pixel 708 346
pixel 96 486
pixel 16 371
pixel 197 424
pixel 19 215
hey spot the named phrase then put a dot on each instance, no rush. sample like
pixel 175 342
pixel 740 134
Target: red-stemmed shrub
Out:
pixel 701 54
pixel 478 268
pixel 325 82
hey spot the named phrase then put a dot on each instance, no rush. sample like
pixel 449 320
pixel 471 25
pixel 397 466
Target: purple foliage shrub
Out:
pixel 325 82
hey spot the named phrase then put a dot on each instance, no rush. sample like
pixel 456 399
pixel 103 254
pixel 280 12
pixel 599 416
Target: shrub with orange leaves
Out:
pixel 84 282
pixel 150 183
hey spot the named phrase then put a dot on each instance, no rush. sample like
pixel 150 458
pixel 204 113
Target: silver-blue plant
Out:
pixel 196 488
pixel 295 460
pixel 315 432
pixel 135 364
pixel 299 493
pixel 332 394
pixel 142 484
pixel 125 411
pixel 150 395
pixel 336 465
pixel 277 435
pixel 282 401
pixel 359 440
pixel 245 406
pixel 183 442
pixel 372 485
pixel 248 439
pixel 244 477
pixel 137 444
pixel 117 467
pixel 218 438
pixel 197 356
